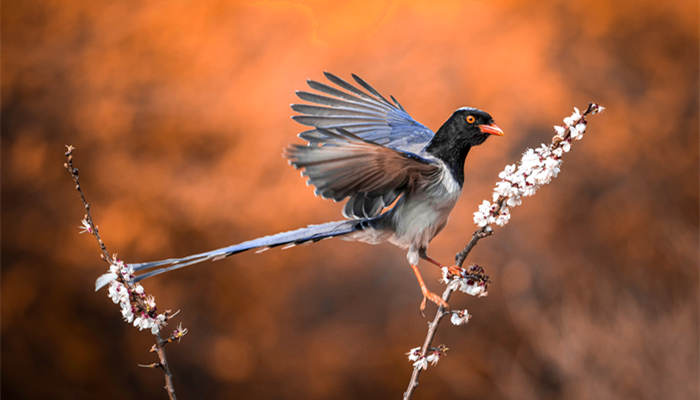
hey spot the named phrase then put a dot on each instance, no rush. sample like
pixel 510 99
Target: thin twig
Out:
pixel 160 350
pixel 441 311
pixel 92 228
pixel 476 236
pixel 88 216
pixel 432 330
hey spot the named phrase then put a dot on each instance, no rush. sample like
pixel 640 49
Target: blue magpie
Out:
pixel 400 179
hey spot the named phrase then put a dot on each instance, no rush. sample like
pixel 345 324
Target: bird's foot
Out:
pixel 455 270
pixel 428 295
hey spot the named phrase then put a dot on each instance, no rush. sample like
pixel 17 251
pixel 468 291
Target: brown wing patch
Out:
pixel 345 165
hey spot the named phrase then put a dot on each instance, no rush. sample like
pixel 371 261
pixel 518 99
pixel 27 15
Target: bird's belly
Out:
pixel 419 219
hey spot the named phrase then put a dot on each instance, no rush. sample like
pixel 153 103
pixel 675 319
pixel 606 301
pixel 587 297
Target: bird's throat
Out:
pixel 452 151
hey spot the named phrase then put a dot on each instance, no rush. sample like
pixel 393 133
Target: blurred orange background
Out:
pixel 179 112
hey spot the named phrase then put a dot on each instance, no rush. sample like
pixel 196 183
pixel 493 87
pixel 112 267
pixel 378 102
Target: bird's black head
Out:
pixel 469 125
pixel 466 127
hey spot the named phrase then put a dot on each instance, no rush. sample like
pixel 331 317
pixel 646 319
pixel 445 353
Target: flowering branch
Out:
pixel 472 281
pixel 536 168
pixel 137 307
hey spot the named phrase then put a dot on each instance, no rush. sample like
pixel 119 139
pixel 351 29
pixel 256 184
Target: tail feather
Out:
pixel 311 233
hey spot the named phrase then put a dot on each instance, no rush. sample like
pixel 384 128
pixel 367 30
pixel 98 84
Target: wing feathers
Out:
pixel 361 110
pixel 370 89
pixel 360 147
pixel 336 111
pixel 345 85
pixel 330 101
pixel 349 166
pixel 322 87
pixel 397 103
pixel 333 122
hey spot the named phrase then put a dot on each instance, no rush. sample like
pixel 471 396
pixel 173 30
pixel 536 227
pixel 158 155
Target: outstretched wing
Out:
pixel 373 176
pixel 369 115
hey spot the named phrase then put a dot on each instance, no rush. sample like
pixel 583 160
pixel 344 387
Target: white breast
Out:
pixel 422 215
pixel 448 181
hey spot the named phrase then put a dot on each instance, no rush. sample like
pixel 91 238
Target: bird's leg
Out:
pixel 452 269
pixel 427 294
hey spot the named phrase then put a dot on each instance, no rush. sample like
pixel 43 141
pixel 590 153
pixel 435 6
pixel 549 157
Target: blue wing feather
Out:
pixel 367 114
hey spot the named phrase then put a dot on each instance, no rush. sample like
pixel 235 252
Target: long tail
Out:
pixel 312 233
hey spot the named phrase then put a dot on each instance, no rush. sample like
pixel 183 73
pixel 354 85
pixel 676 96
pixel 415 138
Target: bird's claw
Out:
pixel 428 295
pixel 455 270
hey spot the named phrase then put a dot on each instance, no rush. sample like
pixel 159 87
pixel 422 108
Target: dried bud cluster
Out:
pixel 472 281
pixel 537 167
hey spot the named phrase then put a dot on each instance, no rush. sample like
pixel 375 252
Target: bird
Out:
pixel 399 179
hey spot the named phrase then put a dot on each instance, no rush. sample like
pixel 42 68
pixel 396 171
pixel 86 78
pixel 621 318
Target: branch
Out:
pixel 88 224
pixel 137 306
pixel 441 311
pixel 536 168
pixel 476 236
pixel 472 281
pixel 432 330
pixel 159 348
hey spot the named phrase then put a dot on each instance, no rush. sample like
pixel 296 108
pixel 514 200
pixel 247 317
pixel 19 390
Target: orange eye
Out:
pixel 470 119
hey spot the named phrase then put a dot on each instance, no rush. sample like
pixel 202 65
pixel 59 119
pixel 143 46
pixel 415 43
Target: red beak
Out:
pixel 492 129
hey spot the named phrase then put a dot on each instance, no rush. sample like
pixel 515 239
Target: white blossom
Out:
pixel 413 354
pixel 474 289
pixel 507 171
pixel 465 283
pixel 503 217
pixel 481 217
pixel 85 226
pixel 143 322
pixel 577 131
pixel 118 292
pixel 421 363
pixel 150 302
pixel 433 357
pixel 570 120
pixel 565 146
pixel 560 130
pixel 460 317
pixel 529 160
pixel 514 201
pixel 127 312
pixel 537 167
pixel 146 323
pixel 131 297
